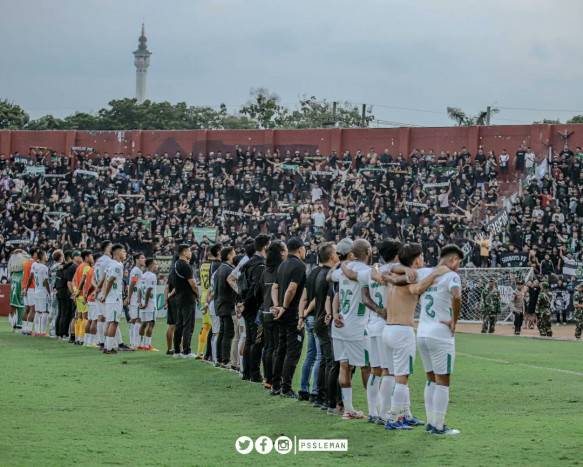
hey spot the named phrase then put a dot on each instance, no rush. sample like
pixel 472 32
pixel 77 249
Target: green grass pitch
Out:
pixel 515 401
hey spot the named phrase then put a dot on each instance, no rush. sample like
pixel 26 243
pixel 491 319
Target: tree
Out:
pixel 547 121
pixel 82 121
pixel 47 122
pixel 319 114
pixel 265 109
pixel 12 117
pixel 576 119
pixel 463 119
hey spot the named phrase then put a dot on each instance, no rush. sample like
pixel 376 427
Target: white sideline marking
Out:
pixel 536 367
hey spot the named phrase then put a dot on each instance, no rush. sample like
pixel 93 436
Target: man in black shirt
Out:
pixel 170 305
pixel 252 272
pixel 328 258
pixel 69 322
pixel 286 294
pixel 224 297
pixel 186 297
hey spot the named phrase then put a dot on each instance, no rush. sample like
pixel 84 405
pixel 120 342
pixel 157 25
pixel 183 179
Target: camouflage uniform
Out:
pixel 490 307
pixel 578 300
pixel 543 312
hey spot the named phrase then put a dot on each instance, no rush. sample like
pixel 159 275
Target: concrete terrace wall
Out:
pixel 397 140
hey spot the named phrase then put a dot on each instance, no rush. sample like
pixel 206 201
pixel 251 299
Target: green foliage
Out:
pixel 47 122
pixel 12 117
pixel 463 119
pixel 576 119
pixel 147 408
pixel 265 109
pixel 313 113
pixel 262 111
pixel 548 121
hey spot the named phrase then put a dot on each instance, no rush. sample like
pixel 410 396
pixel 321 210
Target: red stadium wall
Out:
pixel 397 140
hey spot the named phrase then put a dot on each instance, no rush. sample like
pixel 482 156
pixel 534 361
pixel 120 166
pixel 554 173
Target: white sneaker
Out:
pixel 190 356
pixel 177 355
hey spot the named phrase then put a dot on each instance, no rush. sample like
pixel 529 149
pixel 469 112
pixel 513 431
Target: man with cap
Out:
pixel 543 310
pixel 286 294
pixel 517 305
pixel 490 306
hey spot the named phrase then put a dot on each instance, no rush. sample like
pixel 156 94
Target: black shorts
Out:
pixel 171 319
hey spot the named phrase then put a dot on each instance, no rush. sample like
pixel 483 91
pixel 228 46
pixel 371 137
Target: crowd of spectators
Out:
pixel 153 202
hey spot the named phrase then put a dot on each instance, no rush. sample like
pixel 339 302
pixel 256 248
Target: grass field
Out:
pixel 516 402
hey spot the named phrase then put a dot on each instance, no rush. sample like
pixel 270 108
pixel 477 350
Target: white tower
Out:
pixel 141 62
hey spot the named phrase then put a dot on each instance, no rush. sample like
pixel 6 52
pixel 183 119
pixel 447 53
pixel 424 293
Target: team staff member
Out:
pixel 170 305
pixel 224 297
pixel 286 294
pixel 187 295
pixel 63 296
pixel 252 273
pixel 325 399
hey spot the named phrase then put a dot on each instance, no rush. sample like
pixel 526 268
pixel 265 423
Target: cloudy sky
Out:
pixel 410 59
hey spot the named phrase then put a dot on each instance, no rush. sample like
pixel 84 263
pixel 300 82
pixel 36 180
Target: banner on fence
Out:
pixel 514 260
pixel 200 232
pixel 164 264
pixel 82 148
pixel 23 160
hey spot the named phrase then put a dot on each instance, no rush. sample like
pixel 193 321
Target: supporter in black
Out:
pixel 187 295
pixel 327 388
pixel 63 297
pixel 251 297
pixel 224 297
pixel 287 291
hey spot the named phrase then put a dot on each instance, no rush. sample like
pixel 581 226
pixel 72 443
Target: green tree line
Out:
pixel 262 111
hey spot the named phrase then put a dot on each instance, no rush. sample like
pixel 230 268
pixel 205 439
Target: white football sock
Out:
pixel 407 405
pixel 398 401
pixel 347 399
pixel 214 347
pixel 88 338
pixel 385 392
pixel 37 318
pixel 100 332
pixel 107 343
pixel 132 325
pixel 118 338
pixel 148 341
pixel 137 338
pixel 440 402
pixel 43 322
pixel 372 394
pixel 428 394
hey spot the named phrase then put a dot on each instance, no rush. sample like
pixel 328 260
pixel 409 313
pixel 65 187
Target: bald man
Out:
pixel 350 316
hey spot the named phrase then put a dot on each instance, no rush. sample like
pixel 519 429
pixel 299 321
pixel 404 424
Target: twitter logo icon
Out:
pixel 244 445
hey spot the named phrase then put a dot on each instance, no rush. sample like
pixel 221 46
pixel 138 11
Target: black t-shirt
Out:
pixel 321 296
pixel 183 273
pixel 70 272
pixel 291 270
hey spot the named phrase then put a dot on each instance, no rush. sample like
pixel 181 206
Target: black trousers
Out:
pixel 518 319
pixel 269 346
pixel 225 339
pixel 184 326
pixel 64 316
pixel 253 348
pixel 332 367
pixel 289 350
